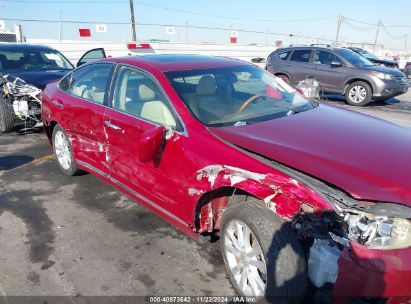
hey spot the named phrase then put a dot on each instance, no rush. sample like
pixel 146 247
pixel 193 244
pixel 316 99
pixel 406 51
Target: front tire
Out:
pixel 64 152
pixel 261 254
pixel 7 116
pixel 359 94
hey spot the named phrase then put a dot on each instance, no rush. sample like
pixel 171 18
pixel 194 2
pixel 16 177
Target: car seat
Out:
pixel 154 110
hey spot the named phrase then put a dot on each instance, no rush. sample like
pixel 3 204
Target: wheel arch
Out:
pixel 278 74
pixel 211 205
pixel 49 130
pixel 216 187
pixel 352 80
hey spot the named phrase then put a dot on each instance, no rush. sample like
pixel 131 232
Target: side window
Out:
pixel 284 55
pixel 137 95
pixel 89 82
pixel 324 57
pixel 301 56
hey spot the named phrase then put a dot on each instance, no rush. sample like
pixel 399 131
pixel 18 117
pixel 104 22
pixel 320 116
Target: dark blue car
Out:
pixel 36 65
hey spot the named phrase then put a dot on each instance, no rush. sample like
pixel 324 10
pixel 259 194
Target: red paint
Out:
pixel 138 45
pixel 373 273
pixel 365 156
pixel 210 214
pixel 339 146
pixel 150 143
pixel 85 32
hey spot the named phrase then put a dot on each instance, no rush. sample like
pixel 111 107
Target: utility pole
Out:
pixel 60 26
pixel 405 43
pixel 133 22
pixel 340 20
pixel 376 36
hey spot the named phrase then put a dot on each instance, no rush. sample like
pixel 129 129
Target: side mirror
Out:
pixel 258 60
pixel 336 64
pixel 150 143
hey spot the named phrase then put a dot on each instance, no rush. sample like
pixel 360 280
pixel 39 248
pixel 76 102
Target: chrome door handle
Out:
pixel 58 104
pixel 110 125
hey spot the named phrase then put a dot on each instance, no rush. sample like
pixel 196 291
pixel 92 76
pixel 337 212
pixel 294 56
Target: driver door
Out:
pixel 91 55
pixel 138 105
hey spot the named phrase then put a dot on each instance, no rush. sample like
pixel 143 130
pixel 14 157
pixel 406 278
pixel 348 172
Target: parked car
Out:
pixel 407 69
pixel 339 70
pixel 217 145
pixel 25 70
pixel 374 59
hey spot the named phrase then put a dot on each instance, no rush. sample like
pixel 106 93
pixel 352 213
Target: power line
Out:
pixel 359 21
pixel 394 37
pixel 232 18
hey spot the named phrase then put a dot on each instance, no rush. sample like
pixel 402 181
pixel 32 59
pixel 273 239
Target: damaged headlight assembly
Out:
pixel 378 232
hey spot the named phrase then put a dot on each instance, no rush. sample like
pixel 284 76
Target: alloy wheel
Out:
pixel 358 94
pixel 62 150
pixel 245 259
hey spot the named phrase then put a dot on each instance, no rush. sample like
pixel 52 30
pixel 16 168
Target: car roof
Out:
pixel 14 47
pixel 179 62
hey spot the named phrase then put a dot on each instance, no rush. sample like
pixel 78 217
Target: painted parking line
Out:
pixel 40 160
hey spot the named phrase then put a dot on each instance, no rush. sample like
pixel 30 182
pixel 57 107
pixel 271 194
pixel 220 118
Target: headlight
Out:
pixel 378 232
pixel 383 76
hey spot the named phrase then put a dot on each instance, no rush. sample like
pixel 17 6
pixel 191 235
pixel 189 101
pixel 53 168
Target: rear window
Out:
pixel 284 55
pixel 301 56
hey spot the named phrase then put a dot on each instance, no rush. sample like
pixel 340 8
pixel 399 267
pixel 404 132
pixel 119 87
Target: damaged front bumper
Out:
pixel 363 255
pixel 373 273
pixel 21 104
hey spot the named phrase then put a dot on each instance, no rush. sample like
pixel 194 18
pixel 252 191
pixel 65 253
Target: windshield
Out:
pixel 354 58
pixel 15 61
pixel 367 54
pixel 236 95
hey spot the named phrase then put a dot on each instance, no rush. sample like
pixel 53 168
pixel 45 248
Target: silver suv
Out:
pixel 339 70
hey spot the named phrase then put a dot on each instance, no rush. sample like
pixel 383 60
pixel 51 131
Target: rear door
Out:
pixel 81 103
pixel 331 79
pixel 138 105
pixel 300 67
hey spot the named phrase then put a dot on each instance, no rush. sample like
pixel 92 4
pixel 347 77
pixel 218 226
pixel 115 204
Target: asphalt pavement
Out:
pixel 78 236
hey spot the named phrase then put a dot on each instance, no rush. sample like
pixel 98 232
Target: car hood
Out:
pixel 386 61
pixel 383 69
pixel 40 78
pixel 363 155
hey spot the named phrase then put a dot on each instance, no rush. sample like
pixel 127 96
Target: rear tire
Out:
pixel 7 116
pixel 359 94
pixel 280 268
pixel 63 152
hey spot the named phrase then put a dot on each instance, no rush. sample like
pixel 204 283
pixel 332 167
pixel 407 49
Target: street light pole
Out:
pixel 133 22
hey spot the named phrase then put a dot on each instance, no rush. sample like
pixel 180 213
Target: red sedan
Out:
pixel 296 190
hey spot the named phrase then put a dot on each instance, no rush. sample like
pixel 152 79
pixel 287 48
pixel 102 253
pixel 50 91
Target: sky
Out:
pixel 275 20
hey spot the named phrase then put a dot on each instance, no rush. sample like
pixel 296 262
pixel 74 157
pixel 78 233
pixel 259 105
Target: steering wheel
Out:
pixel 248 101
